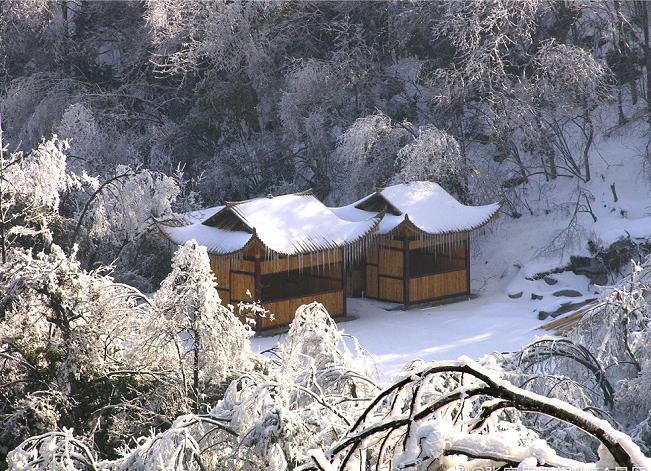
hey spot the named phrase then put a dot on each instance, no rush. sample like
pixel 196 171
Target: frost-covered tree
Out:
pixel 433 154
pixel 366 153
pixel 375 151
pixel 616 331
pixel 460 414
pixel 508 67
pixel 445 415
pixel 602 366
pixel 190 334
pixel 114 222
pixel 269 418
pixel 63 334
pixel 29 193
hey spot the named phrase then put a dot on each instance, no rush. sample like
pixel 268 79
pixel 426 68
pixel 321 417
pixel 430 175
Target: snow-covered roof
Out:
pixel 427 205
pixel 289 225
pixel 201 215
pixel 216 241
pixel 301 224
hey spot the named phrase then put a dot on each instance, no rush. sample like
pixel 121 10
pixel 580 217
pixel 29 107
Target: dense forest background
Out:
pixel 195 103
pixel 116 113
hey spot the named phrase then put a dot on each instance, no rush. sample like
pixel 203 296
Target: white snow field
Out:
pixel 504 261
pixel 474 327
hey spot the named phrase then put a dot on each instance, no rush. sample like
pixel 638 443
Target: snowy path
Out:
pixel 475 328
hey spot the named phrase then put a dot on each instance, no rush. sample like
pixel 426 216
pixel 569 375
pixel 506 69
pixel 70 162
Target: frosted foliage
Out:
pixel 367 152
pixel 568 71
pixel 268 418
pixel 61 330
pixel 86 314
pixel 188 329
pixel 482 32
pixel 42 174
pixel 125 212
pixel 432 154
pixel 185 32
pixel 318 408
pixel 79 128
pixel 310 87
pixel 53 451
pixel 618 331
pixel 314 343
pixel 603 365
pixel 461 415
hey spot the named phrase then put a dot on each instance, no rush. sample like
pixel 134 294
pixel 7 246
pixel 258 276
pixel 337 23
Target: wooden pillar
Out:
pixel 344 281
pixel 257 283
pixel 467 249
pixel 405 267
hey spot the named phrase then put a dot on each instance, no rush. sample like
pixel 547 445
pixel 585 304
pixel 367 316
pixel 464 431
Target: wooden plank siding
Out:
pixel 391 262
pixel 391 289
pixel 440 285
pixel 395 281
pixel 372 282
pixel 285 309
pixel 269 267
pixel 425 243
pixel 240 284
pixel 224 295
pixel 386 273
pixel 236 277
pixel 221 270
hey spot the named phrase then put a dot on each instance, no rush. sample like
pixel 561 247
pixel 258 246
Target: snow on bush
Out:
pixel 30 189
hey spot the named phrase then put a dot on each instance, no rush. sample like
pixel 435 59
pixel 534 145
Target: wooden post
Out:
pixel 257 283
pixel 405 265
pixel 344 281
pixel 467 249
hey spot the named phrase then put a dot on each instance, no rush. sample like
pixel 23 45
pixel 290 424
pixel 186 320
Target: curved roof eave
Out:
pixel 309 248
pixel 408 223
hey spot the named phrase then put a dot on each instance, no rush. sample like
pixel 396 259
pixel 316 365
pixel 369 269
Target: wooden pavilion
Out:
pixel 408 243
pixel 283 251
pixel 422 249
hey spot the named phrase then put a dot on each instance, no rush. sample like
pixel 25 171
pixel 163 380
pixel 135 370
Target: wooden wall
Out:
pixel 382 276
pixel 221 272
pixel 236 282
pixel 284 310
pixel 442 285
pixel 293 263
pixel 386 273
pixel 356 279
pixel 295 284
pixel 372 273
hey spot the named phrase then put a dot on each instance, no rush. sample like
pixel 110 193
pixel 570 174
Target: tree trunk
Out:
pixel 195 382
pixel 589 135
pixel 646 46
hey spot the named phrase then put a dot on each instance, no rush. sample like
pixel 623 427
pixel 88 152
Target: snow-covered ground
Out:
pixel 504 261
pixel 474 327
